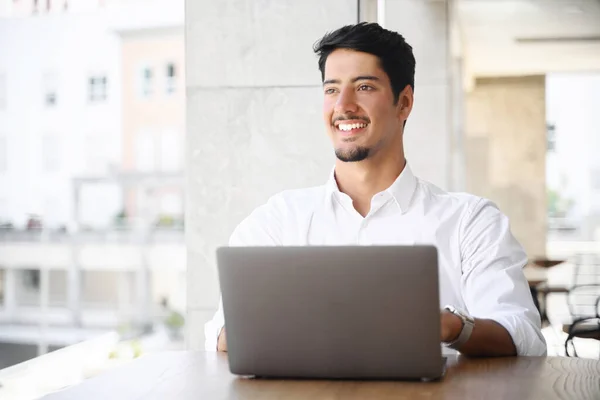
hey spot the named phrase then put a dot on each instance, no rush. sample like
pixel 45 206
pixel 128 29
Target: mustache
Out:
pixel 345 117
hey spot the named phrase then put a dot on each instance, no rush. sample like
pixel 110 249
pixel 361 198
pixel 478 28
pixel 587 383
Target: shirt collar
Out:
pixel 401 190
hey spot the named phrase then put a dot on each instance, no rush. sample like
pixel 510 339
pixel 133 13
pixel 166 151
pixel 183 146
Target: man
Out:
pixel 373 198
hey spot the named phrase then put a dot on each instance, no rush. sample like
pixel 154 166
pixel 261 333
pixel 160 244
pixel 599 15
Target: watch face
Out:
pixel 461 314
pixel 450 308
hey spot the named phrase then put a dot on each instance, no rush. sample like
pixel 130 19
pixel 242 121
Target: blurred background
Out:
pixel 92 124
pixel 92 154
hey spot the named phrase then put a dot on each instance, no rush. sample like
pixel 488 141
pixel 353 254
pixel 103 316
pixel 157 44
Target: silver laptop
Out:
pixel 348 312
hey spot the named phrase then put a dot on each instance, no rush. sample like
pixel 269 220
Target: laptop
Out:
pixel 335 312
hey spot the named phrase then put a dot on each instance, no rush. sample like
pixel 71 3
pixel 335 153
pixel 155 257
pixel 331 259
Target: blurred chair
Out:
pixel 541 288
pixel 583 300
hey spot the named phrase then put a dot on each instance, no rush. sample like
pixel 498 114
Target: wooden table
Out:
pixel 198 375
pixel 547 263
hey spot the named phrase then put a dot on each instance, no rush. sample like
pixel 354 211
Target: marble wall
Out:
pixel 425 24
pixel 505 145
pixel 254 123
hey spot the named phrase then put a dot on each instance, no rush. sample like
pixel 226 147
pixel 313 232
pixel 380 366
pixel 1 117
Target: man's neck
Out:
pixel 363 180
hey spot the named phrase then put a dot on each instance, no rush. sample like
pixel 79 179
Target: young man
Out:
pixel 373 198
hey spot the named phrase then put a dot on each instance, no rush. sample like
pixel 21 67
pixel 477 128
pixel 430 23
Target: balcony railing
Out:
pixel 119 235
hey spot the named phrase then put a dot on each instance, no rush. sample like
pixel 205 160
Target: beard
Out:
pixel 355 154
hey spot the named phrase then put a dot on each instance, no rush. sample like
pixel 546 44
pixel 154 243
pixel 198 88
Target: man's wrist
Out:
pixel 454 326
pixel 221 340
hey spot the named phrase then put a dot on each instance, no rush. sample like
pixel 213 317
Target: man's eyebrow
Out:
pixel 365 78
pixel 358 78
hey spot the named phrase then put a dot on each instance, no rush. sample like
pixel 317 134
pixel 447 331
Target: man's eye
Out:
pixel 329 91
pixel 365 87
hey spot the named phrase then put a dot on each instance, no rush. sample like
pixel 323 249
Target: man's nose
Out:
pixel 346 102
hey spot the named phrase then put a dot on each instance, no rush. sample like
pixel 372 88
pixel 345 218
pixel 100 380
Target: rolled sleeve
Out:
pixel 493 284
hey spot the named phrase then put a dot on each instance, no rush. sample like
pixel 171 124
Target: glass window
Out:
pixel 50 89
pixel 98 88
pixel 146 82
pixel 171 78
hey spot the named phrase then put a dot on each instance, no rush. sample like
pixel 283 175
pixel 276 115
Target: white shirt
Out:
pixel 480 262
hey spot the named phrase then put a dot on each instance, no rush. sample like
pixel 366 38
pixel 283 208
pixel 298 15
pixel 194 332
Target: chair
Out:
pixel 583 300
pixel 541 289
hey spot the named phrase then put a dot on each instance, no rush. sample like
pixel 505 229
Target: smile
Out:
pixel 349 127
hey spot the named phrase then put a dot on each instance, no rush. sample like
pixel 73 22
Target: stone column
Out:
pixel 426 26
pixel 254 124
pixel 506 152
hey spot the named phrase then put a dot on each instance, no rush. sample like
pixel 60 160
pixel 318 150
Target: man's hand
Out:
pixel 222 341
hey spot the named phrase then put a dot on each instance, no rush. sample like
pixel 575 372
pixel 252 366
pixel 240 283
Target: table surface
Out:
pixel 198 375
pixel 547 263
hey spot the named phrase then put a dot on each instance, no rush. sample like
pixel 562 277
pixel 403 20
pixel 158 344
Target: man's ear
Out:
pixel 405 102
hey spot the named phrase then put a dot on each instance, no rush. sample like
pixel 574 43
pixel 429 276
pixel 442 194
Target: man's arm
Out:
pixel 494 289
pixel 222 341
pixel 488 338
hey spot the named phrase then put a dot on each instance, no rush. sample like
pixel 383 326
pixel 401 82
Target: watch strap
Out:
pixel 465 333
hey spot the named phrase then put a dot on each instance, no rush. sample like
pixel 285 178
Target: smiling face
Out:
pixel 359 111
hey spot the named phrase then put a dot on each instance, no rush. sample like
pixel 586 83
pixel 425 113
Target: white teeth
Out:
pixel 349 127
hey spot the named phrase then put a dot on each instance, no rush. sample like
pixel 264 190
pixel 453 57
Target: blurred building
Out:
pixel 154 117
pixel 92 107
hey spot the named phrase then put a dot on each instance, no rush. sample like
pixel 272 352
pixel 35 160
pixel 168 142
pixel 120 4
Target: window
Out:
pixel 50 89
pixel 3 154
pixel 28 287
pixel 550 137
pixel 146 82
pixel 30 279
pixel 50 153
pixel 2 91
pixel 171 81
pixel 98 88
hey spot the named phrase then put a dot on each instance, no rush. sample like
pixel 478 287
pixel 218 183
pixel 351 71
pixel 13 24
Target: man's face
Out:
pixel 358 107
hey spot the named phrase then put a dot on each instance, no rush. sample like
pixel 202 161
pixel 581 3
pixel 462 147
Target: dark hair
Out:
pixel 395 55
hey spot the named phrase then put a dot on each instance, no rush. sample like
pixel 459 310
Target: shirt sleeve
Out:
pixel 493 284
pixel 261 228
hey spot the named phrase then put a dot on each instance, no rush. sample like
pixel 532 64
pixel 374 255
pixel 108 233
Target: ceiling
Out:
pixel 523 37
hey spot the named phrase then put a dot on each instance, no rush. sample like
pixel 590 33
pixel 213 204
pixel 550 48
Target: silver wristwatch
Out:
pixel 467 329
